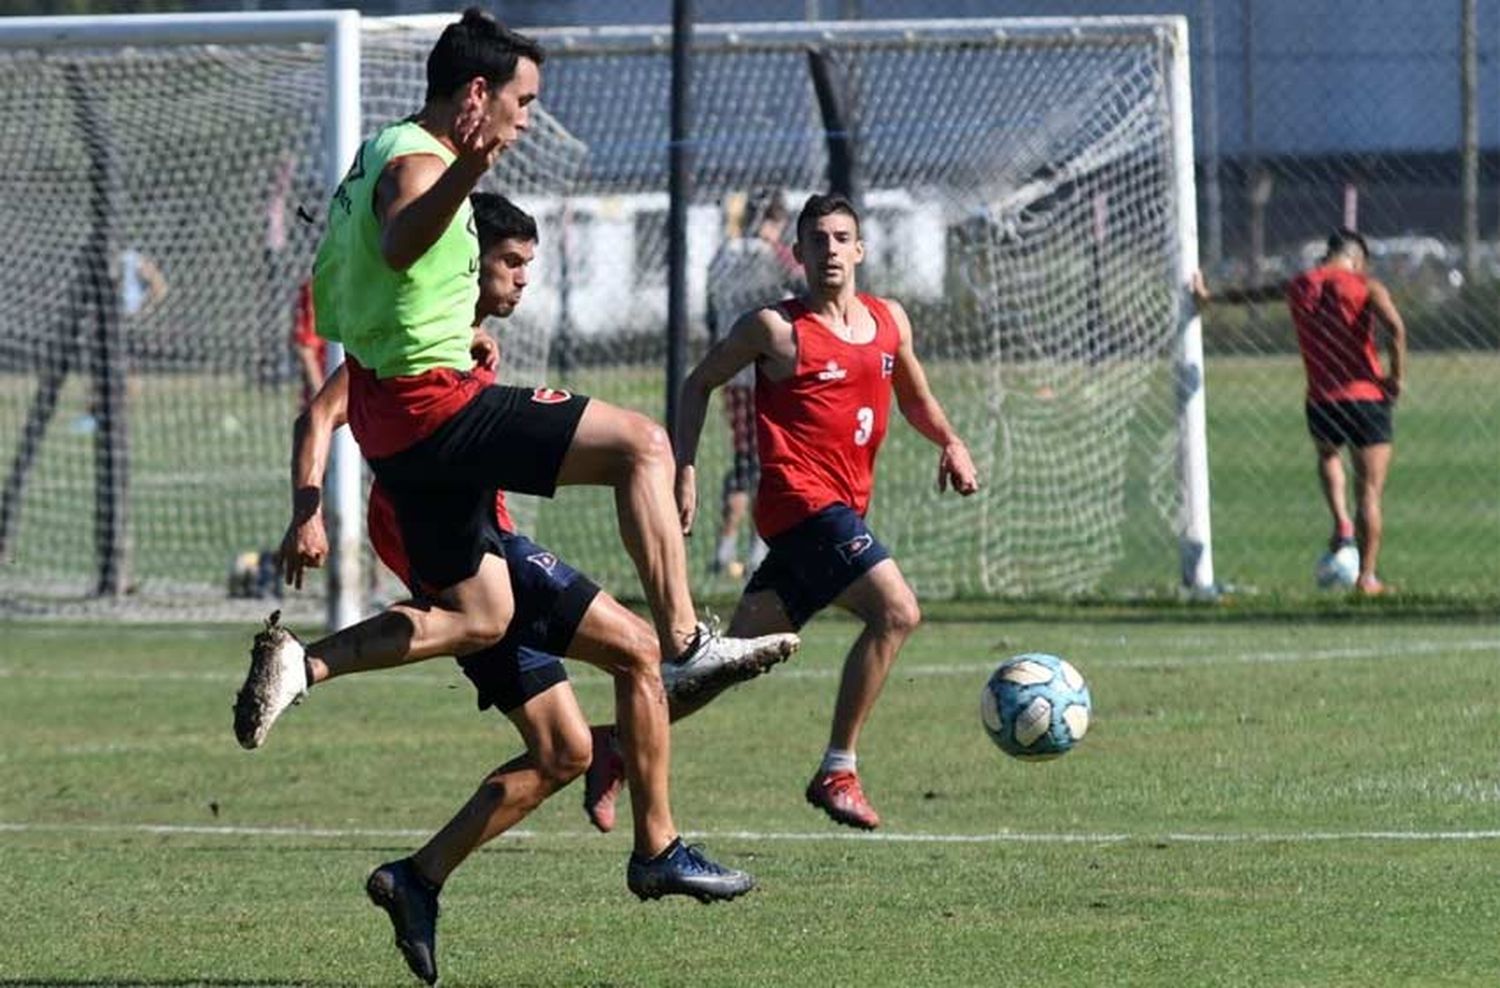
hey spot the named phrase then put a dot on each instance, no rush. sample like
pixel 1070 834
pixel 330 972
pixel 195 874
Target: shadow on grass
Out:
pixel 101 982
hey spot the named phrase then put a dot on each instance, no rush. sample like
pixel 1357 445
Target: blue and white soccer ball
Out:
pixel 1339 569
pixel 1035 706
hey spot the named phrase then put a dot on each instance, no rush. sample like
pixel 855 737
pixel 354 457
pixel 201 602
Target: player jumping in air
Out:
pixel 395 282
pixel 826 364
pixel 559 611
pixel 1337 309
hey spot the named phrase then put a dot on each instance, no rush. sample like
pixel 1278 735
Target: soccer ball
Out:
pixel 1035 706
pixel 1339 569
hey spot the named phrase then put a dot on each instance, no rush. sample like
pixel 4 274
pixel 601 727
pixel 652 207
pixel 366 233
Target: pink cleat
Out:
pixel 602 781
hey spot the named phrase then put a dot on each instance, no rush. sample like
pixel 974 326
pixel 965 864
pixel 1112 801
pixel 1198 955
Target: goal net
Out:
pixel 1022 193
pixel 1022 198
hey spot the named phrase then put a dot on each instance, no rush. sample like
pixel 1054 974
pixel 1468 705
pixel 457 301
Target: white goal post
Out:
pixel 338 33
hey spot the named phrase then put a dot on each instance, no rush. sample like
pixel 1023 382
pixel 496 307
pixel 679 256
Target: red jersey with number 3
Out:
pixel 1336 334
pixel 817 432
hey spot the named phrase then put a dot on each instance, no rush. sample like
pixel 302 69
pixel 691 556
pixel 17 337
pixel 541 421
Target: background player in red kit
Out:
pixel 1337 308
pixel 826 364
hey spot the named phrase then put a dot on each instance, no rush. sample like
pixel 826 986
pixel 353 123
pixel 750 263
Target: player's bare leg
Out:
pixel 1371 465
pixel 885 603
pixel 617 636
pixel 1332 483
pixel 557 751
pixel 630 453
pixel 622 644
pixel 466 617
pixel 883 600
pixel 615 640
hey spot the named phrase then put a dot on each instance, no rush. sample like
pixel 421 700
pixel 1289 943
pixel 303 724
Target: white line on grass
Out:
pixel 1001 837
pixel 1396 651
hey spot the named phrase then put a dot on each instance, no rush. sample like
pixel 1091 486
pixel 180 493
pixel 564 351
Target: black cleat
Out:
pixel 682 869
pixel 412 903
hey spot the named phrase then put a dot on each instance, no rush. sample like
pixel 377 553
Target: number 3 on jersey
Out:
pixel 865 418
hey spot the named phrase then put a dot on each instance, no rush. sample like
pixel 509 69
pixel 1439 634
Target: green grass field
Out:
pixel 209 480
pixel 1261 802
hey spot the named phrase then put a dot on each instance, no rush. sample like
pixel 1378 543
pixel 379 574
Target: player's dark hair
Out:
pixel 476 45
pixel 819 205
pixel 496 218
pixel 1340 240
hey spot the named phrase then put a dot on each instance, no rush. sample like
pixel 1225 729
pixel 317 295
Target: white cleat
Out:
pixel 276 680
pixel 714 662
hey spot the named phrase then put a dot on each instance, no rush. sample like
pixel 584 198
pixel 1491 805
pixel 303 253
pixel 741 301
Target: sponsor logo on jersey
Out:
pixel 545 560
pixel 550 396
pixel 851 549
pixel 832 372
pixel 887 364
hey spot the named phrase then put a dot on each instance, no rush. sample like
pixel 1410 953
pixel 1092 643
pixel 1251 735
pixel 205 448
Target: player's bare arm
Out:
pixel 921 408
pixel 305 544
pixel 415 200
pixel 761 334
pixel 1395 327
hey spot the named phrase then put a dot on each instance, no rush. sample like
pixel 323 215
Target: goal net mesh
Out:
pixel 1019 200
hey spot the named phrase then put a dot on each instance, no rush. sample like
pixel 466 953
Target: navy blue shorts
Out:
pixel 551 598
pixel 817 559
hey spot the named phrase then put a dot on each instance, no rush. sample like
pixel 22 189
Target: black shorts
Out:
pixel 551 599
pixel 813 562
pixel 442 489
pixel 1354 423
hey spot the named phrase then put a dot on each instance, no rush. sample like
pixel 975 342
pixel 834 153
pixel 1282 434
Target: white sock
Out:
pixel 837 760
pixel 727 545
pixel 758 550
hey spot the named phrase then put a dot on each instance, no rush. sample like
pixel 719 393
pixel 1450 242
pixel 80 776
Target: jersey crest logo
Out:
pixel 852 549
pixel 545 560
pixel 887 364
pixel 832 372
pixel 550 396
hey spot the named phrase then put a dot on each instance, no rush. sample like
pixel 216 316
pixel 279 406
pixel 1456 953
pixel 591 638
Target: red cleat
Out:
pixel 838 794
pixel 602 781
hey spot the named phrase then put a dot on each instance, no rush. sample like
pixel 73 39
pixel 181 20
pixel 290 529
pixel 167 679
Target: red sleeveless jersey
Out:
pixel 1336 334
pixel 817 432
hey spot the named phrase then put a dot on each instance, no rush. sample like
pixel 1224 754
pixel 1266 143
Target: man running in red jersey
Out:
pixel 1337 308
pixel 826 364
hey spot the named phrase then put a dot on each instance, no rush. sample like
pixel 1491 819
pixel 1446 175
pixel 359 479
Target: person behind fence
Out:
pixel 755 267
pixel 1337 309
pixel 307 346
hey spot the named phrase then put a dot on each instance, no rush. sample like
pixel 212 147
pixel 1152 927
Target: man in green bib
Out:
pixel 396 282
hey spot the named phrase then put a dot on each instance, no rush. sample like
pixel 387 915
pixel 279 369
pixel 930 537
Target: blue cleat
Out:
pixel 682 869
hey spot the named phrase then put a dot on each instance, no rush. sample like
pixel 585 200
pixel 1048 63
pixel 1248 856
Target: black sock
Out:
pixel 692 644
pixel 672 845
